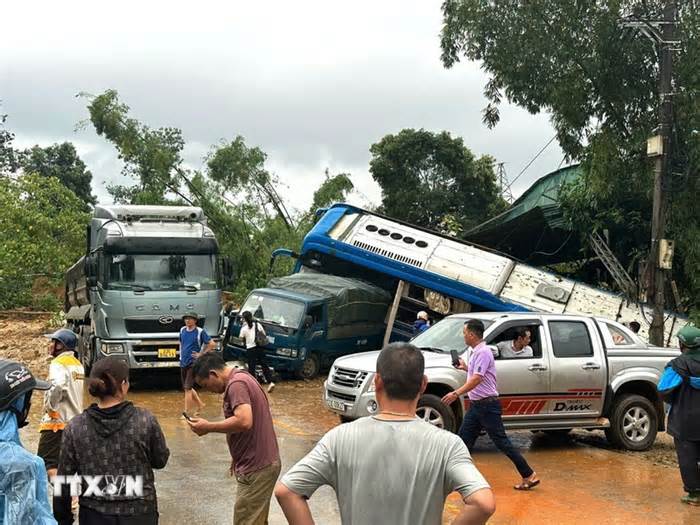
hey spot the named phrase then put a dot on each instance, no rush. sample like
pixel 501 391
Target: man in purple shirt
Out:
pixel 484 407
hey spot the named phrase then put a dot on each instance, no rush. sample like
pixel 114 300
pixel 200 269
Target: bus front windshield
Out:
pixel 160 272
pixel 276 310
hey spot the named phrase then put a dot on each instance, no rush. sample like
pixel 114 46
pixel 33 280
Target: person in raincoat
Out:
pixel 23 483
pixel 679 386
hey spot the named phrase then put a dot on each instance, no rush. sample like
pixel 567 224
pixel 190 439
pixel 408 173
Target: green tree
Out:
pixel 598 82
pixel 43 225
pixel 62 162
pixel 234 188
pixel 8 155
pixel 432 179
pixel 152 156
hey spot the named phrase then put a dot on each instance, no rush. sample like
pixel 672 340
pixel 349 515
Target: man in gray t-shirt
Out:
pixel 518 347
pixel 392 467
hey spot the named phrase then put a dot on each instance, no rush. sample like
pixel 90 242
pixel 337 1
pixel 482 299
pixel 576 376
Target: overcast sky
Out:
pixel 313 83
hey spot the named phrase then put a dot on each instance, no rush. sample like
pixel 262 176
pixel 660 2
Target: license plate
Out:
pixel 167 353
pixel 336 405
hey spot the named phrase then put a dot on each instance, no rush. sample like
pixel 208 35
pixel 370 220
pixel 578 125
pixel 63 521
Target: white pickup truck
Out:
pixel 585 372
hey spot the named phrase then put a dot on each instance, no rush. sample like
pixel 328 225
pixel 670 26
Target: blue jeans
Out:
pixel 487 415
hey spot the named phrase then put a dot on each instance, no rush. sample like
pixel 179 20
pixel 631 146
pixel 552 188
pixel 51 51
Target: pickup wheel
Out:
pixel 310 367
pixel 633 423
pixel 434 411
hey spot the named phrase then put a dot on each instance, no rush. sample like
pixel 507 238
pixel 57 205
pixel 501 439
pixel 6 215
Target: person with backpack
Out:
pixel 679 386
pixel 193 342
pixel 255 339
pixel 23 484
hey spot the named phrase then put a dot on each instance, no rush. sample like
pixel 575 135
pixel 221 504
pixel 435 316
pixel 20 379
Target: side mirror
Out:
pixel 308 321
pixel 494 350
pixel 227 272
pixel 91 270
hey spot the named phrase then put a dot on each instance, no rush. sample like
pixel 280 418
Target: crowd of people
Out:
pixel 416 464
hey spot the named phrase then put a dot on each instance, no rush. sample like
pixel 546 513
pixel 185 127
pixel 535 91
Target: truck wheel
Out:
pixel 85 352
pixel 633 423
pixel 310 367
pixel 434 411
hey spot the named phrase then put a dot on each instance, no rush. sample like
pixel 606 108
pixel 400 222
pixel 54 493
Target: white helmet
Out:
pixel 422 315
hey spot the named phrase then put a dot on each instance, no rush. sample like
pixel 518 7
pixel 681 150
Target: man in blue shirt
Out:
pixel 193 341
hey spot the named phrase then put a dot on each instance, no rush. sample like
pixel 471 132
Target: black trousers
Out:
pixel 88 516
pixel 689 463
pixel 256 356
pixel 487 415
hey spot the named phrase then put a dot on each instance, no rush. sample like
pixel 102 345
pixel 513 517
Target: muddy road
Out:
pixel 582 480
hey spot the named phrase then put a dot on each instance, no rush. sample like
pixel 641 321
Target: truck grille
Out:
pixel 341 396
pixel 154 326
pixel 348 378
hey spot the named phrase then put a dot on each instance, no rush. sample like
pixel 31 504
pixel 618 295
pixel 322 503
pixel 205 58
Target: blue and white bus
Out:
pixel 426 271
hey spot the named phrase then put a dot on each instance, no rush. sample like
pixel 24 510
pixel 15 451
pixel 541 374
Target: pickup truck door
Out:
pixel 523 383
pixel 578 375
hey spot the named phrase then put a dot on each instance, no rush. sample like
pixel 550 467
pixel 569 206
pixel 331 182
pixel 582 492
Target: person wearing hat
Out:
pixel 422 323
pixel 193 341
pixel 680 387
pixel 23 482
pixel 64 400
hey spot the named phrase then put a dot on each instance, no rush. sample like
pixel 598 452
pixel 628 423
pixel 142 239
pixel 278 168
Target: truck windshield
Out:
pixel 446 335
pixel 277 310
pixel 160 272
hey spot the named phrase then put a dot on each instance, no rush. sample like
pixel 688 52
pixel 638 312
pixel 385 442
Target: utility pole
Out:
pixel 663 34
pixel 503 184
pixel 661 169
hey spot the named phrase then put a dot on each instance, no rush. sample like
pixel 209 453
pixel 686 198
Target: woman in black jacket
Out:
pixel 119 442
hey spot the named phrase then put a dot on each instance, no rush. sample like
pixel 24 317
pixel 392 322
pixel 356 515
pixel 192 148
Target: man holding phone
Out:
pixel 250 435
pixel 484 407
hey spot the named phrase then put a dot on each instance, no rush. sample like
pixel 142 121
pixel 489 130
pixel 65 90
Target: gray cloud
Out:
pixel 314 89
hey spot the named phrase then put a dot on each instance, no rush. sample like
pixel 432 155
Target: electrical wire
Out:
pixel 531 161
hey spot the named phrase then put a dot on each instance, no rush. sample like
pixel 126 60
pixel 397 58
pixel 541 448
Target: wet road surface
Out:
pixel 581 482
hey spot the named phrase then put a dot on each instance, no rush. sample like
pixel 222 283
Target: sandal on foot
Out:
pixel 527 484
pixel 691 499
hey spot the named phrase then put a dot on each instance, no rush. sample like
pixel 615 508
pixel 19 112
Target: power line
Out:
pixel 531 161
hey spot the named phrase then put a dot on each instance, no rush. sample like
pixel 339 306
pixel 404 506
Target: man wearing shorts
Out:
pixel 193 341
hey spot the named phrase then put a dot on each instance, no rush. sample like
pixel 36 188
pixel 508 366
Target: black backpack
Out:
pixel 260 337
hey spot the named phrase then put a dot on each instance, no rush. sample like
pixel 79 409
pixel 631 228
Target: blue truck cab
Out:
pixel 311 319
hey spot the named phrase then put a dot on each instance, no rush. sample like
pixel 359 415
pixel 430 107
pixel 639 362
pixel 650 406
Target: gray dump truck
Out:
pixel 144 267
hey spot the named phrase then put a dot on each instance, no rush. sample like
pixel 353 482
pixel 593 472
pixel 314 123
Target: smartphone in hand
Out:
pixel 455 358
pixel 188 418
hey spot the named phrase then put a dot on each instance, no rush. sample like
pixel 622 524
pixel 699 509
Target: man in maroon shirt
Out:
pixel 249 433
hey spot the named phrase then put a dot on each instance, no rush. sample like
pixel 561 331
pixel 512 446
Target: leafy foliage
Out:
pixel 598 82
pixel 8 156
pixel 43 225
pixel 62 162
pixel 434 181
pixel 234 188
